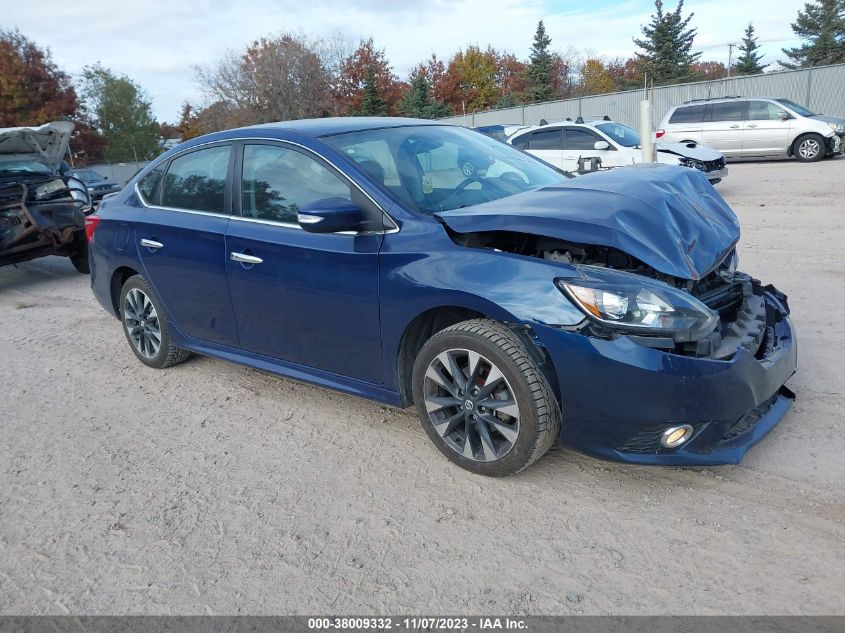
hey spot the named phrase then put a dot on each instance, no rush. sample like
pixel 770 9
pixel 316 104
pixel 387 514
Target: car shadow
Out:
pixel 36 272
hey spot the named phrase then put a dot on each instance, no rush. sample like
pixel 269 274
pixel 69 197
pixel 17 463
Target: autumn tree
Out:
pixel 275 79
pixel 474 72
pixel 540 70
pixel 511 79
pixel 365 63
pixel 821 24
pixel 626 74
pixel 595 79
pixel 748 62
pixel 122 113
pixel 706 71
pixel 33 90
pixel 188 122
pixel 667 45
pixel 419 102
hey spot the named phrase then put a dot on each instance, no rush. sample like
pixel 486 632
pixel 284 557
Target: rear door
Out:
pixel 546 144
pixel 723 126
pixel 304 298
pixel 765 131
pixel 180 241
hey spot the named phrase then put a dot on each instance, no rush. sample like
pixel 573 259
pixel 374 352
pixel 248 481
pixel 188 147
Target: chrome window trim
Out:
pixel 288 225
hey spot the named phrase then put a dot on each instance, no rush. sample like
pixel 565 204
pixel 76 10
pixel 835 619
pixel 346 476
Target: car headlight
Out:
pixel 47 189
pixel 641 306
pixel 839 128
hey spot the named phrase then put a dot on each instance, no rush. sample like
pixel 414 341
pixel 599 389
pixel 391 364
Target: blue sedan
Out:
pixel 416 263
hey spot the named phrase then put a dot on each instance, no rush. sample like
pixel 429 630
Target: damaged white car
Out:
pixel 584 146
pixel 42 212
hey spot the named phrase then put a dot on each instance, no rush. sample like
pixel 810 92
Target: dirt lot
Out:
pixel 210 488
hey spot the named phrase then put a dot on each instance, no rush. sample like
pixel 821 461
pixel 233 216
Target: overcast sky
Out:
pixel 157 42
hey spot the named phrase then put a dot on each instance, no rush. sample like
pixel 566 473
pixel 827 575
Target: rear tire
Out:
pixel 483 400
pixel 145 325
pixel 809 148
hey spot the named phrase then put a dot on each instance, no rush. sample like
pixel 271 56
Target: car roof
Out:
pixel 551 124
pixel 338 125
pixel 693 102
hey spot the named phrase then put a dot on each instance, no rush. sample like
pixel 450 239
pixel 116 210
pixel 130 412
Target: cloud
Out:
pixel 158 42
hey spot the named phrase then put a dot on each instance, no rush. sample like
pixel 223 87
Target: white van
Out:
pixel 753 126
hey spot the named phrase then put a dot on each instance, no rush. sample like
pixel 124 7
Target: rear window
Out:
pixel 688 114
pixel 148 186
pixel 726 111
pixel 546 139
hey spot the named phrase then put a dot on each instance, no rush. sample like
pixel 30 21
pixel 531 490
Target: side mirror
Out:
pixel 330 215
pixel 79 193
pixel 601 145
pixel 783 116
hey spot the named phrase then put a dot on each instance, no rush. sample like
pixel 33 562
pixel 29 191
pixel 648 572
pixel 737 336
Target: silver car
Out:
pixel 754 126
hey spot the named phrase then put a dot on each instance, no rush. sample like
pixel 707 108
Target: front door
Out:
pixel 305 298
pixel 765 131
pixel 180 239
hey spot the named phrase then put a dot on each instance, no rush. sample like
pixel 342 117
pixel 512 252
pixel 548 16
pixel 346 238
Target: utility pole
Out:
pixel 730 56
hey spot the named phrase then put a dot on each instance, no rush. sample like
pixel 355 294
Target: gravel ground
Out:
pixel 211 488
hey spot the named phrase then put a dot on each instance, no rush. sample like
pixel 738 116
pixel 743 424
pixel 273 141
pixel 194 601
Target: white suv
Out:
pixel 582 146
pixel 754 126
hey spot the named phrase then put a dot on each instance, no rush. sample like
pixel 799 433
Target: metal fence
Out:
pixel 118 172
pixel 821 89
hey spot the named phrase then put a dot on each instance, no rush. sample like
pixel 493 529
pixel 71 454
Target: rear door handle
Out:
pixel 151 244
pixel 245 259
pixel 733 127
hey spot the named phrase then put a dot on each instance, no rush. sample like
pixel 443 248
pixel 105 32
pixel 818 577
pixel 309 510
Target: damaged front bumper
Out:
pixel 618 397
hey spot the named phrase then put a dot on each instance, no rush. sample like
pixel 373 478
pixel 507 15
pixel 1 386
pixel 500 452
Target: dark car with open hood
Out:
pixel 42 211
pixel 416 263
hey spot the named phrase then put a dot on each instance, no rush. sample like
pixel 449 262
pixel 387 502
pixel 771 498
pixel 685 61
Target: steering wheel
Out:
pixel 466 182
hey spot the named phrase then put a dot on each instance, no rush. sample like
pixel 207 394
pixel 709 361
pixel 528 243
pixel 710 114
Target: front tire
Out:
pixel 483 400
pixel 809 148
pixel 145 325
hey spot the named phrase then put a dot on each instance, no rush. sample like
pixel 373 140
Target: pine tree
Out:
pixel 668 45
pixel 372 103
pixel 748 63
pixel 540 68
pixel 419 103
pixel 822 25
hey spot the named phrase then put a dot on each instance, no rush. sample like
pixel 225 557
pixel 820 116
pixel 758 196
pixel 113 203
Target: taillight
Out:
pixel 659 133
pixel 91 223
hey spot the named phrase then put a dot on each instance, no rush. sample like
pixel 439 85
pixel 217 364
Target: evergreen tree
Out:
pixel 748 63
pixel 372 103
pixel 822 25
pixel 540 68
pixel 668 45
pixel 419 103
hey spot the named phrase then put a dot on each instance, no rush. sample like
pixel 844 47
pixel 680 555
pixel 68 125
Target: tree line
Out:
pixel 293 76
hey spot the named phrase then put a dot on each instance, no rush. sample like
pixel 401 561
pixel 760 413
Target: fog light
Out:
pixel 674 436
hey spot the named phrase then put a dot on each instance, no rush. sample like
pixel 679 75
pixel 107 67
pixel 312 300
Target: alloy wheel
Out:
pixel 809 148
pixel 471 405
pixel 141 322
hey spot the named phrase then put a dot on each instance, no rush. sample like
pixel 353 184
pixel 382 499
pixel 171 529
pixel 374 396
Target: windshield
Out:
pixel 621 134
pixel 797 109
pixel 87 175
pixel 30 166
pixel 437 168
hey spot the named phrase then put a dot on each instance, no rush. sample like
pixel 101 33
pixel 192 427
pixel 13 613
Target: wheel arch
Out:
pixel 118 278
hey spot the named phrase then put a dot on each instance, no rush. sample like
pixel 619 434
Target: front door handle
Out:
pixel 751 125
pixel 151 244
pixel 245 259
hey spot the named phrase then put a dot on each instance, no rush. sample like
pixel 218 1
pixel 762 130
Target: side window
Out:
pixel 580 139
pixel 197 181
pixel 374 157
pixel 546 139
pixel 763 111
pixel 277 181
pixel 521 141
pixel 149 185
pixel 725 111
pixel 688 114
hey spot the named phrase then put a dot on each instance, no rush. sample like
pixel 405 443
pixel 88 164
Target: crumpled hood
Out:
pixel 668 217
pixel 46 144
pixel 697 152
pixel 828 119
